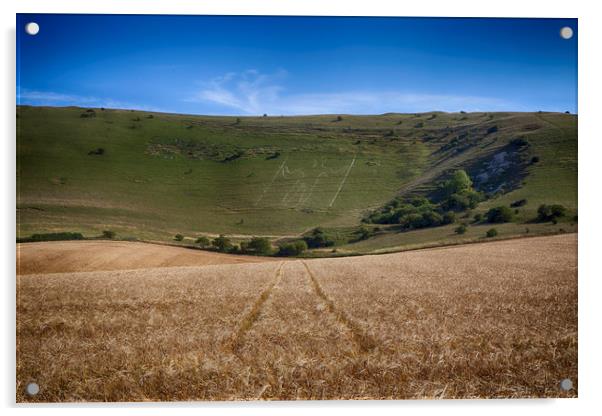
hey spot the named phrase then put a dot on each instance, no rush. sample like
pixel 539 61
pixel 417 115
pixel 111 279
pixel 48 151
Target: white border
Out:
pixel 590 201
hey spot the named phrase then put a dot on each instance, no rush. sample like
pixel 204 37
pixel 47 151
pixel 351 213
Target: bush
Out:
pixel 461 201
pixel 292 249
pixel 51 237
pixel 258 245
pixel 492 129
pixel 178 237
pixel 492 232
pixel 222 243
pixel 519 203
pixel 519 142
pixel 534 159
pixel 424 220
pixel 98 152
pixel 318 238
pixel 203 242
pixel 339 118
pixel 108 234
pixel 547 213
pixel 362 234
pixel 478 217
pixel 449 218
pixel 89 113
pixel 499 215
pixel 460 229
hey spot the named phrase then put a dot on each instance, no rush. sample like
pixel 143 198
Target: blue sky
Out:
pixel 296 65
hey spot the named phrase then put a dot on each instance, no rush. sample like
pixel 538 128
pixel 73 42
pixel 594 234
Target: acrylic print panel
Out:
pixel 292 208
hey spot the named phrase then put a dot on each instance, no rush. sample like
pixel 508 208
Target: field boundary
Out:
pixel 251 317
pixel 311 256
pixel 364 341
pixel 479 240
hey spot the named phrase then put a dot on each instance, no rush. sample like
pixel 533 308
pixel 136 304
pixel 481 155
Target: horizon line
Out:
pixel 297 115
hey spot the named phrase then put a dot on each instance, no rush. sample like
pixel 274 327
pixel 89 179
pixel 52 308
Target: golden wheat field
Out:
pixel 95 255
pixel 487 320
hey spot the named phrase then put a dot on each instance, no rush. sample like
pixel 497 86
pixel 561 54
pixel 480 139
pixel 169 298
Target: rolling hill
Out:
pixel 151 175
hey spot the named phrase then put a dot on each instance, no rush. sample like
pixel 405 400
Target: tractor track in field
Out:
pixel 251 317
pixel 364 342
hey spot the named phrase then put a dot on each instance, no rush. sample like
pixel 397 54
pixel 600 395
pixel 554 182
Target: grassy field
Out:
pixel 492 320
pixel 152 175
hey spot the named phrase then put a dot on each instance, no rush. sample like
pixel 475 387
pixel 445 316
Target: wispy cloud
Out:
pixel 52 98
pixel 249 92
pixel 252 92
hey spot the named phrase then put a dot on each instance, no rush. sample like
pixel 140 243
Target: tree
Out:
pixel 203 241
pixel 259 245
pixel 448 218
pixel 318 238
pixel 339 118
pixel 222 243
pixel 499 215
pixel 462 200
pixel 460 181
pixel 178 237
pixel 292 249
pixel 552 212
pixel 108 234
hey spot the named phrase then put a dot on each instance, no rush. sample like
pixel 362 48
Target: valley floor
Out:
pixel 473 321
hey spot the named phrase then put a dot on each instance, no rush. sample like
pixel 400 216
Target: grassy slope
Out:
pixel 138 188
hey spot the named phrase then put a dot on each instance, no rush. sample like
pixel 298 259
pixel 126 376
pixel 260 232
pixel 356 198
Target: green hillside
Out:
pixel 151 175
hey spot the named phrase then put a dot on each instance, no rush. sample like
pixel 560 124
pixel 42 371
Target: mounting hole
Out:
pixel 566 384
pixel 32 28
pixel 32 389
pixel 566 32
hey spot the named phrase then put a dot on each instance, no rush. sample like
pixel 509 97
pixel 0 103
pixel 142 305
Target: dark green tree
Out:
pixel 222 243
